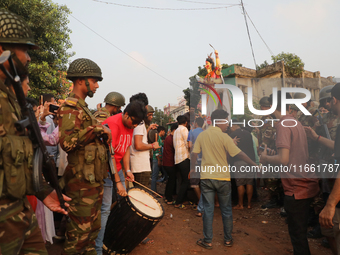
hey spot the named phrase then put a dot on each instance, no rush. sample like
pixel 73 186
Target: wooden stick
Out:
pixel 147 188
pixel 142 203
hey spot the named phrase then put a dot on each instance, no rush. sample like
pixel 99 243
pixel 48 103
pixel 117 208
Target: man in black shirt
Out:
pixel 245 143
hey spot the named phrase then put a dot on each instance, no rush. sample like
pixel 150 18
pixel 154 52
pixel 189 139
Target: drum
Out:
pixel 131 221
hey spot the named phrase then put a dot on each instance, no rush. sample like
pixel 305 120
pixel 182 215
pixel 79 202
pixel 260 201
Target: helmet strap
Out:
pixel 89 91
pixel 21 69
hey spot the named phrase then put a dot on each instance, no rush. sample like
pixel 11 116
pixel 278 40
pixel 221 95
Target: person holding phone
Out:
pixel 49 98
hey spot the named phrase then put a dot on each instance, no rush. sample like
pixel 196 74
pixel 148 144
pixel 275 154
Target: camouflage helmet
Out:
pixel 83 68
pixel 264 101
pixel 325 92
pixel 115 98
pixel 299 95
pixel 14 30
pixel 150 109
pixel 294 107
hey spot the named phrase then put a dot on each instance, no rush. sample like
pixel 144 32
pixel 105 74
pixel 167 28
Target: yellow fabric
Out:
pixel 214 145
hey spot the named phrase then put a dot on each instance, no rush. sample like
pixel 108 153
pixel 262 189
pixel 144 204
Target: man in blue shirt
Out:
pixel 195 176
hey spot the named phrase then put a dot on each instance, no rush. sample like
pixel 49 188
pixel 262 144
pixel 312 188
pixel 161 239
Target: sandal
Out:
pixel 203 244
pixel 147 241
pixel 180 206
pixel 229 243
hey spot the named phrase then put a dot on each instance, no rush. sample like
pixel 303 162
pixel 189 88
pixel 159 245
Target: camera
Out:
pixel 53 108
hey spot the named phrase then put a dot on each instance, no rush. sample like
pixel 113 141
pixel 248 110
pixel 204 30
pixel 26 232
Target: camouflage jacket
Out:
pixel 12 142
pixel 331 121
pixel 77 127
pixel 102 114
pixel 308 120
pixel 267 133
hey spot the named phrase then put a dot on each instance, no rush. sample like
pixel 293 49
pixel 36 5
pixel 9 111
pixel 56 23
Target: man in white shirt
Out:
pixel 139 151
pixel 182 162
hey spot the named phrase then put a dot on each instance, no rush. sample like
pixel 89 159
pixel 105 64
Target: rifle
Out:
pixel 29 122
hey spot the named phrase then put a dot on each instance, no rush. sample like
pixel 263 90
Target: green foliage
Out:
pixel 48 22
pixel 263 65
pixel 293 63
pixel 160 118
pixel 192 94
pixel 225 66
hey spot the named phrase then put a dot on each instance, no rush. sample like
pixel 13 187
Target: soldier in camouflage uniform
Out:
pixel 19 231
pixel 79 134
pixel 267 131
pixel 267 136
pixel 113 102
pixel 308 121
pixel 323 155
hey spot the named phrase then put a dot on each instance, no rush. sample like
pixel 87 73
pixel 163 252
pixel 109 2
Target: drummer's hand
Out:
pixel 130 176
pixel 121 190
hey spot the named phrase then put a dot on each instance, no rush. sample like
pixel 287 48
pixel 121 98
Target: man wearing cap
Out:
pixel 113 102
pixel 80 136
pixel 20 233
pixel 329 217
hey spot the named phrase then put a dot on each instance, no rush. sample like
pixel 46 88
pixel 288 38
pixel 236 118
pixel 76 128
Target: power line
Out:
pixel 270 51
pixel 196 2
pixel 126 53
pixel 165 9
pixel 251 45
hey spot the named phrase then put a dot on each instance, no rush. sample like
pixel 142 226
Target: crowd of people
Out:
pixel 189 155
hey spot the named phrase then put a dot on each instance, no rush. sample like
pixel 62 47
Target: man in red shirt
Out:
pixel 121 126
pixel 300 187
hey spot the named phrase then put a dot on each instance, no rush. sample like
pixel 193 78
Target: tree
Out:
pixel 263 65
pixel 48 22
pixel 192 95
pixel 293 63
pixel 160 118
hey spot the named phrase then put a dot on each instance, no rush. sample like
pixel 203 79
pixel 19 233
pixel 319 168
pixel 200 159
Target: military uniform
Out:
pixel 83 177
pixel 102 114
pixel 19 231
pixel 325 154
pixel 18 224
pixel 268 133
pixel 268 137
pixel 310 121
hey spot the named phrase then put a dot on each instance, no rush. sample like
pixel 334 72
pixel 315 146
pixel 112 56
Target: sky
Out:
pixel 169 45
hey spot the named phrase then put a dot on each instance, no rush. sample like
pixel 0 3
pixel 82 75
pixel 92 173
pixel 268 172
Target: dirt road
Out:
pixel 178 235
